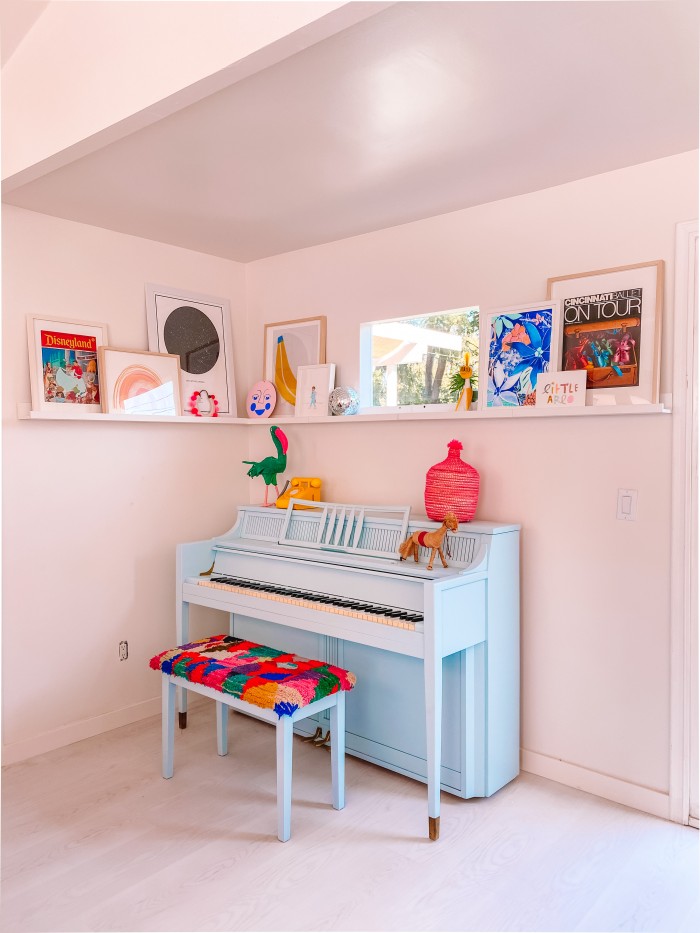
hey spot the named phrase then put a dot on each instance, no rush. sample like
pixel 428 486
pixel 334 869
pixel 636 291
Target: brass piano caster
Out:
pixel 434 827
pixel 182 720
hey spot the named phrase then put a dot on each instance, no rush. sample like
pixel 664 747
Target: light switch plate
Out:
pixel 627 505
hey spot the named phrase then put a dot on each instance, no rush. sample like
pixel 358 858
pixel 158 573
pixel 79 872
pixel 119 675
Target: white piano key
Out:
pixel 307 603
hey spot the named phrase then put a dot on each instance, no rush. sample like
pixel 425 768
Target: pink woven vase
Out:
pixel 451 486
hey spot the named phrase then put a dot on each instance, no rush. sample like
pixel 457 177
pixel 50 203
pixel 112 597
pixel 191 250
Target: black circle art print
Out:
pixel 190 334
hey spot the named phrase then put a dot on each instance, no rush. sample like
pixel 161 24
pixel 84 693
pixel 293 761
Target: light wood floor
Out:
pixel 94 839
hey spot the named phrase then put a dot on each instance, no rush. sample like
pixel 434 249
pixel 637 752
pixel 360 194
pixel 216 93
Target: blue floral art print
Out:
pixel 519 350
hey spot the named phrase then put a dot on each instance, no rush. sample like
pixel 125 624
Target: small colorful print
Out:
pixel 69 364
pixel 519 351
pixel 561 389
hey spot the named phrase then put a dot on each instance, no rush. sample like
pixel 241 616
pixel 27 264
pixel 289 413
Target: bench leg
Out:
pixel 284 777
pixel 338 751
pixel 168 726
pixel 221 728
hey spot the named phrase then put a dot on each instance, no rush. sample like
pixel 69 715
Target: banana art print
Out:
pixel 285 380
pixel 289 345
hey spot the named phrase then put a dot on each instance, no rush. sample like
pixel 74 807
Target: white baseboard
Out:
pixel 76 731
pixel 602 785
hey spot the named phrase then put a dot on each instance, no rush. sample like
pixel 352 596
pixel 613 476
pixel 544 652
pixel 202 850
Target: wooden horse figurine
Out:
pixel 429 539
pixel 465 373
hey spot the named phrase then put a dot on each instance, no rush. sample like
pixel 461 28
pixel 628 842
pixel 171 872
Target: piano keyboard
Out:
pixel 323 602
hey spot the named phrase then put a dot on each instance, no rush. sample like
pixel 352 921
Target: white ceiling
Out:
pixel 421 109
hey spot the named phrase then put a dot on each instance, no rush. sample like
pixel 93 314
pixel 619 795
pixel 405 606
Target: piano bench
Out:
pixel 266 683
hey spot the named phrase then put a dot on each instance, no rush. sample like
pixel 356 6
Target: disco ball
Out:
pixel 344 401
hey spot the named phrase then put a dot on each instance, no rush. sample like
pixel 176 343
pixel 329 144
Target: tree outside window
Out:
pixel 415 359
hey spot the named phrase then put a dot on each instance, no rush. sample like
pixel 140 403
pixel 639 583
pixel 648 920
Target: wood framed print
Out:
pixel 517 344
pixel 63 363
pixel 289 345
pixel 138 383
pixel 611 321
pixel 197 328
pixel 314 385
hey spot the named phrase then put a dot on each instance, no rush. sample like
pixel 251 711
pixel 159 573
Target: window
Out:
pixel 416 360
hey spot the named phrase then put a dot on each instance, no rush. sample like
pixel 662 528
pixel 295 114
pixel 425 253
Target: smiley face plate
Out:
pixel 261 400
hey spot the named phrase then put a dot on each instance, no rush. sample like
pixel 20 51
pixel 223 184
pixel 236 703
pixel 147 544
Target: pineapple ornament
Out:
pixel 451 486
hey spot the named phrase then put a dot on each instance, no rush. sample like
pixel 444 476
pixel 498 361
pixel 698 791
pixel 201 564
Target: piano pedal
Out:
pixel 325 742
pixel 315 737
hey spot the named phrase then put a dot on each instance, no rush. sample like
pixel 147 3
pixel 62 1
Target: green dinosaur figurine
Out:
pixel 271 467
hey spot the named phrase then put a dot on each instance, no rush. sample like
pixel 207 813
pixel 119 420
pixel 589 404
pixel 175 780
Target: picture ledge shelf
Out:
pixel 24 412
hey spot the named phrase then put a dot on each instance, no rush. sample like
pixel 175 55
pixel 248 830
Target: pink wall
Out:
pixel 92 512
pixel 595 620
pixel 99 515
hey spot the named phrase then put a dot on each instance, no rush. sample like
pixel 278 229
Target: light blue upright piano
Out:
pixel 436 652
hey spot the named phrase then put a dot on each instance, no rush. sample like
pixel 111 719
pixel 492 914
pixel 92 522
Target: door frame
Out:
pixel 684 531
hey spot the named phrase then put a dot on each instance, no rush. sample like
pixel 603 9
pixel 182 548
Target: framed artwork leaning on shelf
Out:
pixel 63 364
pixel 197 328
pixel 289 345
pixel 517 344
pixel 138 383
pixel 314 385
pixel 611 323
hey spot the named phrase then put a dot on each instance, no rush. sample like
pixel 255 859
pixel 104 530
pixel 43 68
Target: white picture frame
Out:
pixel 197 328
pixel 510 359
pixel 619 283
pixel 561 389
pixel 56 346
pixel 314 385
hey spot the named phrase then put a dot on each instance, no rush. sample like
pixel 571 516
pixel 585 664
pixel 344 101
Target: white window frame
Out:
pixel 366 369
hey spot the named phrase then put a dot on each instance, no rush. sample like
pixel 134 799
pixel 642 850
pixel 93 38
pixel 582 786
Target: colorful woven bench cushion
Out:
pixel 259 675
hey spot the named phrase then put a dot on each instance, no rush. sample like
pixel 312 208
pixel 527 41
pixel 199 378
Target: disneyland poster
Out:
pixel 64 364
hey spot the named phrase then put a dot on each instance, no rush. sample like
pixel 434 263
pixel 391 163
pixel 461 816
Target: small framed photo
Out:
pixel 517 345
pixel 138 383
pixel 63 364
pixel 561 390
pixel 289 345
pixel 197 328
pixel 314 385
pixel 611 322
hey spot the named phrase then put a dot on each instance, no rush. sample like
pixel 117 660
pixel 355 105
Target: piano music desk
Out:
pixel 436 653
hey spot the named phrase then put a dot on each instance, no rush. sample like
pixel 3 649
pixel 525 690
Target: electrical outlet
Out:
pixel 123 650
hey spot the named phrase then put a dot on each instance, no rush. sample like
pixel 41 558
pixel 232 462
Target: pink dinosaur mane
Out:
pixel 282 438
